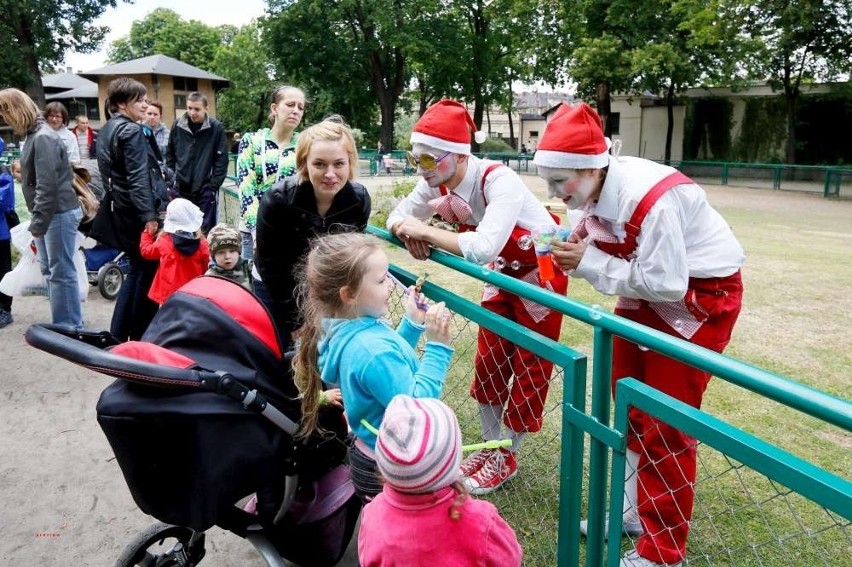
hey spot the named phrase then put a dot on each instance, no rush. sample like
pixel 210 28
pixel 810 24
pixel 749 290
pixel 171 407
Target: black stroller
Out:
pixel 202 417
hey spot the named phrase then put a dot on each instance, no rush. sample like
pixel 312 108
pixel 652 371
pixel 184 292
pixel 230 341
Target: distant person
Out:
pixel 56 116
pixel 180 250
pixel 86 137
pixel 55 212
pixel 267 156
pixel 235 146
pixel 523 148
pixel 154 120
pixel 424 516
pixel 649 236
pixel 198 154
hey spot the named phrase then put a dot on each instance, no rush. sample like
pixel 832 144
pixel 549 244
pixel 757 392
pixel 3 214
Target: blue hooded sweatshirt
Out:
pixel 371 364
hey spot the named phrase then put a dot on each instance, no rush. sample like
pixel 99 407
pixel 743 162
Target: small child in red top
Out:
pixel 182 251
pixel 424 515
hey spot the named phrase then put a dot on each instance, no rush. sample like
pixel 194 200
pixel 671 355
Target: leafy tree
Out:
pixel 41 32
pixel 245 61
pixel 348 54
pixel 164 31
pixel 799 43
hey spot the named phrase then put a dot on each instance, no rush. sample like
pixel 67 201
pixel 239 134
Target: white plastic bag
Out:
pixel 82 276
pixel 25 279
pixel 22 239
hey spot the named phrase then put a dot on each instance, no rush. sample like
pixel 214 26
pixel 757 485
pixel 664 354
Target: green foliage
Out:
pixel 38 33
pixel 707 134
pixel 385 200
pixel 496 145
pixel 164 31
pixel 763 131
pixel 245 62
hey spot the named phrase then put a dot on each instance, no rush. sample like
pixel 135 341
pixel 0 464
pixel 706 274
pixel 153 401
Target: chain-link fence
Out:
pixel 741 516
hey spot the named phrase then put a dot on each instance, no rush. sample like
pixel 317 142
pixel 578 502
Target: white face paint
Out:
pixel 576 187
pixel 445 170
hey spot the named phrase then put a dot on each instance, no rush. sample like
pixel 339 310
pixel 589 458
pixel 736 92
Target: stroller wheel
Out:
pixel 164 545
pixel 110 279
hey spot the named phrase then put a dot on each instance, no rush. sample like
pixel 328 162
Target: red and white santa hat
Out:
pixel 573 139
pixel 446 125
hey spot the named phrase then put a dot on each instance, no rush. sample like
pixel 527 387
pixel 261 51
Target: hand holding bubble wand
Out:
pixel 543 239
pixel 419 298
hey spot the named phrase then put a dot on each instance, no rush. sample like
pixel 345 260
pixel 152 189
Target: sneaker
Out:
pixel 5 318
pixel 633 559
pixel 632 528
pixel 500 467
pixel 474 462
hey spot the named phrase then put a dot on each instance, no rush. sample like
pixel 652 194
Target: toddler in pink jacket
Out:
pixel 424 515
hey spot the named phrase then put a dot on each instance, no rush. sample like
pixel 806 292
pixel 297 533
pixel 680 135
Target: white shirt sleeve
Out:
pixel 505 197
pixel 70 144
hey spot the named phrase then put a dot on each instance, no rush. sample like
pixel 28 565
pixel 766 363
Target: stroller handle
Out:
pixel 79 347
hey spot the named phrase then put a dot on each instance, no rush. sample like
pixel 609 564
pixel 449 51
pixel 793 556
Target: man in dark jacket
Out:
pixel 198 154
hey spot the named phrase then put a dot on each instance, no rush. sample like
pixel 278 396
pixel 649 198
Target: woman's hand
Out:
pixel 438 324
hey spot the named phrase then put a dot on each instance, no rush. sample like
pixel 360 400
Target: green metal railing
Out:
pixel 819 486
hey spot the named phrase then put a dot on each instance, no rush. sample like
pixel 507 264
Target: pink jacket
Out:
pixel 414 530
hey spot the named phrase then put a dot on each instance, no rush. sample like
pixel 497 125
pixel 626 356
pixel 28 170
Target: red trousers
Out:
pixel 498 359
pixel 667 457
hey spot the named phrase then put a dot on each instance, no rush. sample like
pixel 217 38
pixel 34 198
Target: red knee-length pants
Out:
pixel 667 457
pixel 498 360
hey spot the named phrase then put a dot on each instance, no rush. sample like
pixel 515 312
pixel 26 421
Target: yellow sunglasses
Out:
pixel 426 162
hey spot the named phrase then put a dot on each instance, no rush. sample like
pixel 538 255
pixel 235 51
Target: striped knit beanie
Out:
pixel 419 445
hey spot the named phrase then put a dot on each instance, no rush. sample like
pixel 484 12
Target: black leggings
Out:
pixel 5 267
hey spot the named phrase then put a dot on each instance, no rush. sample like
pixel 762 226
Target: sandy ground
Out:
pixel 64 500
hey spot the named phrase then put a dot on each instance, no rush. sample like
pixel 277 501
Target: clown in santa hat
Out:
pixel 648 235
pixel 492 209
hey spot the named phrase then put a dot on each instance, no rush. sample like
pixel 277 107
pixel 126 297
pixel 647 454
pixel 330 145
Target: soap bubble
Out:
pixel 525 242
pixel 515 265
pixel 596 312
pixel 499 263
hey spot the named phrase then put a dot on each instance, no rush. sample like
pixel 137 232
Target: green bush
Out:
pixel 385 200
pixel 496 146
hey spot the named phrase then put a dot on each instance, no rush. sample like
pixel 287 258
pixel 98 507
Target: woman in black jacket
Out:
pixel 320 199
pixel 126 171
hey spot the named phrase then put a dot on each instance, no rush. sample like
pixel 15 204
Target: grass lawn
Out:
pixel 794 323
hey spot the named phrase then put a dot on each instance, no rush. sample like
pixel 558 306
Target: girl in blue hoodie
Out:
pixel 345 343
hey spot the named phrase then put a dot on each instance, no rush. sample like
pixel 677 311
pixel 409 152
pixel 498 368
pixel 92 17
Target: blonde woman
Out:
pixel 55 212
pixel 322 198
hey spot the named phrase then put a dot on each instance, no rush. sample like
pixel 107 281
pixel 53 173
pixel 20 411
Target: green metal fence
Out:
pixel 756 504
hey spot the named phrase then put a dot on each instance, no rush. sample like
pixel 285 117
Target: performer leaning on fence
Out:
pixel 649 236
pixel 492 209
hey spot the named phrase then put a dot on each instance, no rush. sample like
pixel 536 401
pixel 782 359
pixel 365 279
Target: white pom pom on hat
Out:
pixel 446 125
pixel 573 139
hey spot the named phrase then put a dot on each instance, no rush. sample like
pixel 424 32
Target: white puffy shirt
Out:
pixel 682 236
pixel 510 204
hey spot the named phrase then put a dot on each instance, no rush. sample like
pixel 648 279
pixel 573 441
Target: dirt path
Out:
pixel 64 499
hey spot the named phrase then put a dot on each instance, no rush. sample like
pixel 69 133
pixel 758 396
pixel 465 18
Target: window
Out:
pixel 615 122
pixel 533 133
pixel 185 84
pixel 180 101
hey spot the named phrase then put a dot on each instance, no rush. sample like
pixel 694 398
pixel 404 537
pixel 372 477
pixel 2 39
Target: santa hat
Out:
pixel 419 445
pixel 573 139
pixel 446 125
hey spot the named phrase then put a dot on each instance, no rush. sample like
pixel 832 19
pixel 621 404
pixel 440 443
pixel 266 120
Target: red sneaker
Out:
pixel 474 462
pixel 500 467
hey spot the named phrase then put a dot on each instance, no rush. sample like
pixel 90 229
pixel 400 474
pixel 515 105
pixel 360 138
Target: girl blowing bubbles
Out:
pixel 345 291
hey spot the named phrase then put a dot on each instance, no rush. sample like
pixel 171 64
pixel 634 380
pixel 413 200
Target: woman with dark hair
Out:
pixel 54 209
pixel 56 116
pixel 124 160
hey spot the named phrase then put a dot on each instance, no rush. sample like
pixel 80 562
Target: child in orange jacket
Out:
pixel 181 250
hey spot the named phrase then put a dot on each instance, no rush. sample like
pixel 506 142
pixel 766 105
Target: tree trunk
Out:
pixel 791 104
pixel 603 104
pixel 670 124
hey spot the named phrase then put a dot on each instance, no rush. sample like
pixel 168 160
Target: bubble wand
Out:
pixel 419 299
pixel 494 444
